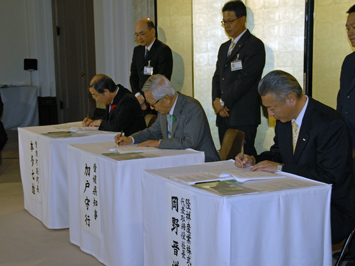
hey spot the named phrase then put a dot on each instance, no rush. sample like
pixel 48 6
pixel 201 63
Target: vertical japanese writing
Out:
pixel 89 191
pixel 181 231
pixel 34 169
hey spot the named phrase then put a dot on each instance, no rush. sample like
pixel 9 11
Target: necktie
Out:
pixel 146 52
pixel 169 118
pixel 231 48
pixel 295 132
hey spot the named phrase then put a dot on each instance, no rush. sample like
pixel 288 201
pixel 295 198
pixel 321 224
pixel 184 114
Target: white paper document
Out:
pixel 199 178
pixel 132 148
pixel 243 174
pixel 83 129
pixel 281 184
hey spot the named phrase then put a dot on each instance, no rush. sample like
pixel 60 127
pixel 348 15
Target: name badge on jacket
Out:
pixel 236 64
pixel 148 70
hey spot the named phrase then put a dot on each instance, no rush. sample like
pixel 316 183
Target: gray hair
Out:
pixel 160 86
pixel 280 84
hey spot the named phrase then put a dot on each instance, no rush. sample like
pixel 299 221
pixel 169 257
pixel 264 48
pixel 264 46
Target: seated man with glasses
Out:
pixel 240 64
pixel 150 57
pixel 181 122
pixel 123 113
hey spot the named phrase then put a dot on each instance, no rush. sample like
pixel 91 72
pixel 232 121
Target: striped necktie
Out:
pixel 169 118
pixel 231 48
pixel 295 132
pixel 145 53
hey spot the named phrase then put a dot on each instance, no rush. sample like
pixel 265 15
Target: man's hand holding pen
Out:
pixel 243 160
pixel 122 140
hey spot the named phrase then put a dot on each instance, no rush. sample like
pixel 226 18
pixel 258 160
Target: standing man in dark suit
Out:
pixel 311 140
pixel 238 71
pixel 346 95
pixel 346 105
pixel 123 113
pixel 181 122
pixel 150 57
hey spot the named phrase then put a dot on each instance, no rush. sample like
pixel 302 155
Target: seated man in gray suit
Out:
pixel 181 122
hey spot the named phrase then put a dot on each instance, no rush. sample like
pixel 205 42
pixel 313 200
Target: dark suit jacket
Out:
pixel 3 135
pixel 190 129
pixel 126 114
pixel 161 60
pixel 238 89
pixel 322 153
pixel 346 95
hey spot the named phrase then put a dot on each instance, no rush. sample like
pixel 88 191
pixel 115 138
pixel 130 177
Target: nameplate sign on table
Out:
pixel 34 168
pixel 180 211
pixel 89 196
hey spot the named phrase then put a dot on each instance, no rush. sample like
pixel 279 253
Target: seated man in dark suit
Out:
pixel 311 140
pixel 123 113
pixel 150 57
pixel 181 122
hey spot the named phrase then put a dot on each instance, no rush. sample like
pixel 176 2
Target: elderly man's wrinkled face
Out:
pixel 162 106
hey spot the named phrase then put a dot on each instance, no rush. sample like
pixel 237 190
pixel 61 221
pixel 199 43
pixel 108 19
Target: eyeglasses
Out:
pixel 229 21
pixel 153 105
pixel 141 34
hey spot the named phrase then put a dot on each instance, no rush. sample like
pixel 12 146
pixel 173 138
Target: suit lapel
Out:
pixel 287 146
pixel 177 112
pixel 352 85
pixel 164 126
pixel 152 51
pixel 303 136
pixel 239 45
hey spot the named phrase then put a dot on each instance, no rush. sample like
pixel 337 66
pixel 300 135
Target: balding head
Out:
pixel 145 31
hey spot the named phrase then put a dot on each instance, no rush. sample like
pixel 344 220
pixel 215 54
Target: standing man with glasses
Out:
pixel 239 68
pixel 181 122
pixel 150 57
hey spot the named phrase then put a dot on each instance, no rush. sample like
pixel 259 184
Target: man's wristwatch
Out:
pixel 279 167
pixel 221 102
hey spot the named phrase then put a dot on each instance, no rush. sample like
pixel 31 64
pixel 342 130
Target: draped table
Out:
pixel 286 223
pixel 43 167
pixel 105 199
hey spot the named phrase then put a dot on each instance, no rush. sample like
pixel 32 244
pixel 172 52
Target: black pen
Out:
pixel 120 137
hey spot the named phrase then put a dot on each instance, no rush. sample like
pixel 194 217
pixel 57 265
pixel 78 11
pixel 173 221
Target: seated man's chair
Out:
pixel 232 144
pixel 150 119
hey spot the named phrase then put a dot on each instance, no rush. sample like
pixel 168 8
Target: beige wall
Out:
pixel 175 29
pixel 278 23
pixel 331 45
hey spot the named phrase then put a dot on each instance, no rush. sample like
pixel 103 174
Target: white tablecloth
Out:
pixel 119 239
pixel 48 156
pixel 20 107
pixel 288 227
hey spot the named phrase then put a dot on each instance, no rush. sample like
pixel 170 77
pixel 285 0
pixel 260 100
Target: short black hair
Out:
pixel 104 83
pixel 237 6
pixel 351 9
